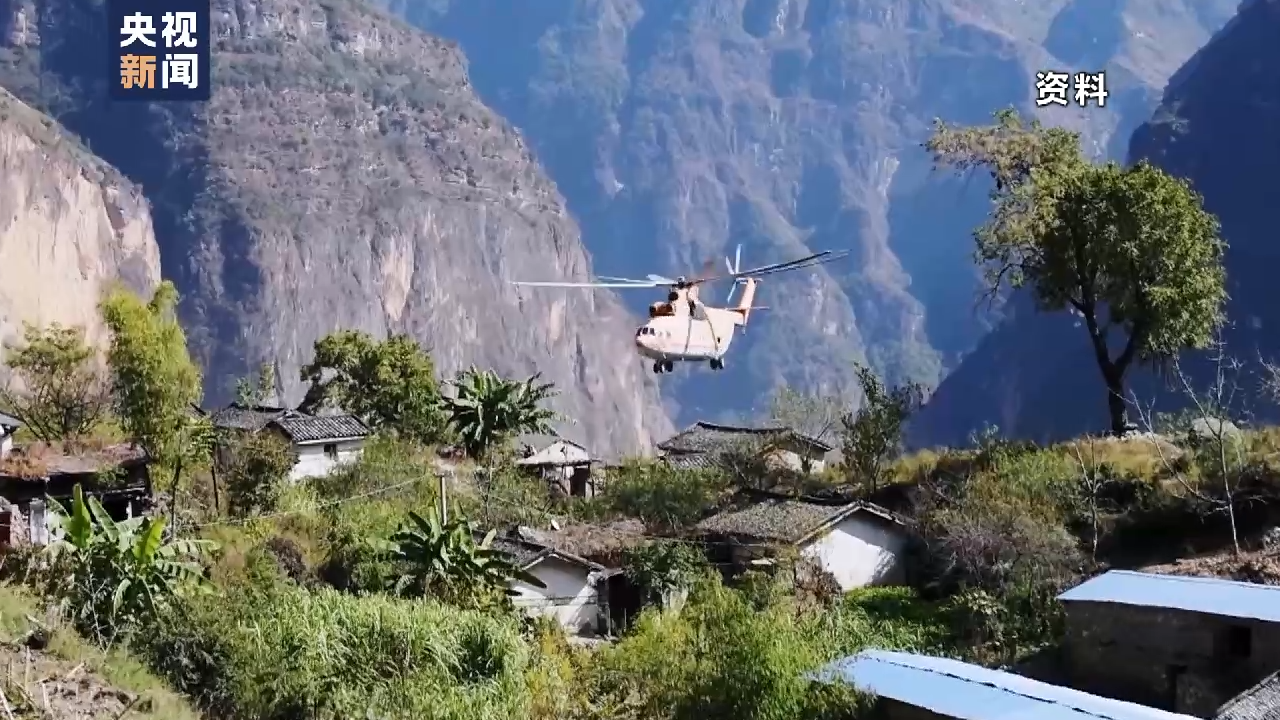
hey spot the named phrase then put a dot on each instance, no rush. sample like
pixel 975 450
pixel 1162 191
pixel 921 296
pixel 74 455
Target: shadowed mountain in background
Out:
pixel 1216 126
pixel 680 128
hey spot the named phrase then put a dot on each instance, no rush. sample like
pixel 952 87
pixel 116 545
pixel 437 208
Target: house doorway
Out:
pixel 580 481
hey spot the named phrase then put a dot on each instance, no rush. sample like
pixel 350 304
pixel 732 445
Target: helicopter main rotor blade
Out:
pixel 591 285
pixel 821 258
pixel 608 278
pixel 660 280
pixel 814 259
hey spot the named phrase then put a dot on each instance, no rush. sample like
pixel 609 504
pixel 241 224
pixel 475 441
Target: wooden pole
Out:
pixel 444 503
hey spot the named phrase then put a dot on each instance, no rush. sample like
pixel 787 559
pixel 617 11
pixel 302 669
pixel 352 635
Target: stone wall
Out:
pixel 1175 660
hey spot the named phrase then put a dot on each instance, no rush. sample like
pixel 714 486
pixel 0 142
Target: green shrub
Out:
pixel 720 656
pixel 662 497
pixel 284 652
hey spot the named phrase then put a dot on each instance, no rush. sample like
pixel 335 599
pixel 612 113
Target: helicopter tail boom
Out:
pixel 744 307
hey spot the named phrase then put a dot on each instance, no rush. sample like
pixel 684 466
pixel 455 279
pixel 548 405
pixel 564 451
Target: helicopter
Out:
pixel 683 328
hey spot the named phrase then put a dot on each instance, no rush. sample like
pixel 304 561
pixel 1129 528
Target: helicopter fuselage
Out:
pixel 685 330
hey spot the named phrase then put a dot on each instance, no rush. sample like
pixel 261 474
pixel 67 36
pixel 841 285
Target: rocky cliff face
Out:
pixel 678 129
pixel 1215 126
pixel 69 225
pixel 345 175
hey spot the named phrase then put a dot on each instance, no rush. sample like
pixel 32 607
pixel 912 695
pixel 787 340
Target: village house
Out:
pixel 320 442
pixel 919 687
pixel 573 594
pixel 117 475
pixel 702 444
pixel 9 426
pixel 858 543
pixel 565 465
pixel 606 545
pixel 1186 644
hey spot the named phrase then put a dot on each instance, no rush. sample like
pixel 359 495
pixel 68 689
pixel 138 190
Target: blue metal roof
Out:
pixel 970 692
pixel 1176 592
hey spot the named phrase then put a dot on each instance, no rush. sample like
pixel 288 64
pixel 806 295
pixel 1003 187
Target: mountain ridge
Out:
pixel 345 175
pixel 1211 128
pixel 678 130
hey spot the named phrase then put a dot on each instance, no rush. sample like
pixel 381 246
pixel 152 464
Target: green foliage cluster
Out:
pixel 871 437
pixel 254 468
pixel 390 384
pixel 663 568
pixel 443 560
pixel 154 380
pixel 1131 251
pixel 277 651
pixel 114 577
pixel 486 408
pixel 661 497
pixel 64 397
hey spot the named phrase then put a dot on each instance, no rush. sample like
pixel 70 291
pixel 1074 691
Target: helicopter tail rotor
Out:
pixel 733 267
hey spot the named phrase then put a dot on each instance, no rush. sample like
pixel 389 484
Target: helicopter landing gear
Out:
pixel 717 364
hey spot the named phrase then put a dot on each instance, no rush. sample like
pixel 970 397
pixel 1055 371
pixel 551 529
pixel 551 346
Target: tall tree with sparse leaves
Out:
pixel 872 437
pixel 155 382
pixel 62 395
pixel 389 384
pixel 487 409
pixel 1131 251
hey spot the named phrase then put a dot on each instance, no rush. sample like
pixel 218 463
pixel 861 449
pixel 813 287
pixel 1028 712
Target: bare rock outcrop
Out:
pixel 69 226
pixel 346 175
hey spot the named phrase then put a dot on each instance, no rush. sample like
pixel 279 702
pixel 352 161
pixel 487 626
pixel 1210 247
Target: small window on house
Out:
pixel 331 451
pixel 1239 641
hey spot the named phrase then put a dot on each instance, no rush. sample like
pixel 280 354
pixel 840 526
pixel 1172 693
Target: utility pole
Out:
pixel 444 503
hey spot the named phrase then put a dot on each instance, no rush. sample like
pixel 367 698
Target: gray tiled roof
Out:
pixel 308 429
pixel 524 552
pixel 784 520
pixel 1260 702
pixel 9 421
pixel 48 460
pixel 704 437
pixel 241 417
pixel 691 461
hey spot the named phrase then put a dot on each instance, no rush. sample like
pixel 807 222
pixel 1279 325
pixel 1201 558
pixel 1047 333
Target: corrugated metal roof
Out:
pixel 1212 596
pixel 970 692
pixel 308 429
pixel 1260 702
pixel 9 421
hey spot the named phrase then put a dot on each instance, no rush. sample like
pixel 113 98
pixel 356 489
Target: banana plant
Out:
pixel 486 409
pixel 122 570
pixel 445 558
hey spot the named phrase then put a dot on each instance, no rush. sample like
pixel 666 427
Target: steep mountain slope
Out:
pixel 1216 126
pixel 67 221
pixel 680 128
pixel 345 175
